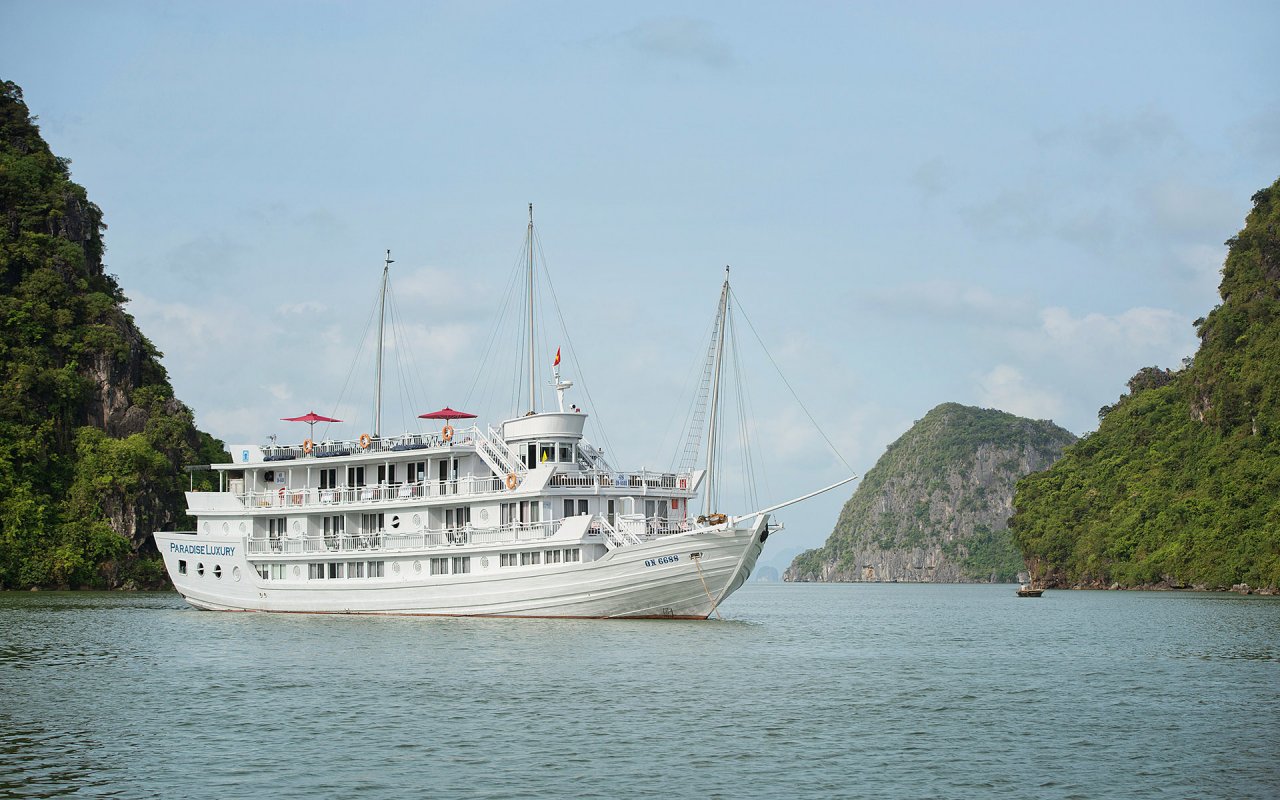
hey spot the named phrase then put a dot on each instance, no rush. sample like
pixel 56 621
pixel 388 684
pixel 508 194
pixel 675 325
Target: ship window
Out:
pixel 553 556
pixel 461 565
pixel 200 568
pixel 277 572
pixel 527 559
pixel 439 566
pixel 509 560
pixel 329 478
pixel 582 507
pixel 568 508
pixel 417 472
pixel 182 567
pixel 335 569
pixel 565 454
pixel 573 554
pixel 355 569
pixel 376 569
pixel 217 571
pixel 546 452
pixel 315 571
pixel 261 569
pixel 355 476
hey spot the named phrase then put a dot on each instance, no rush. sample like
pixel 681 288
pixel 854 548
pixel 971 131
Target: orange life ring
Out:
pixel 511 481
pixel 307 444
pixel 446 433
pixel 365 441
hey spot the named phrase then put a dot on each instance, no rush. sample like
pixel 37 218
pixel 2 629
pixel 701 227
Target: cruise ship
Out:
pixel 522 518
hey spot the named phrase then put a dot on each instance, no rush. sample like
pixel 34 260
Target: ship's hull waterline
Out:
pixel 680 576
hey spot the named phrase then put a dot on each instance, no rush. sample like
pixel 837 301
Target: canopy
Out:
pixel 311 418
pixel 447 413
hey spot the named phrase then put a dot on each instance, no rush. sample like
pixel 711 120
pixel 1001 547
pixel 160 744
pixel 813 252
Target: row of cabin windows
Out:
pixel 541 453
pixel 389 474
pixel 524 511
pixel 216 571
pixel 461 565
pixel 530 559
pixel 341 569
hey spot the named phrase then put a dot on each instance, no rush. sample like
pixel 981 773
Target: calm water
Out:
pixel 878 691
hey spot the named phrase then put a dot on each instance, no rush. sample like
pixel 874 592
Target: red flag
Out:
pixel 557 362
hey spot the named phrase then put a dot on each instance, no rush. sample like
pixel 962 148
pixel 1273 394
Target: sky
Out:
pixel 1009 205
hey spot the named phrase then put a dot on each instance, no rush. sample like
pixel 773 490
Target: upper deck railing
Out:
pixel 626 531
pixel 312 498
pixel 384 444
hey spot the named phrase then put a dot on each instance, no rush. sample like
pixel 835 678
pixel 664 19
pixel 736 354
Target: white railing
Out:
pixel 286 498
pixel 495 452
pixel 383 444
pixel 643 480
pixel 386 541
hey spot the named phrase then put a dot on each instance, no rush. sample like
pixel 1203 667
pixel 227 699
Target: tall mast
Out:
pixel 533 405
pixel 713 432
pixel 382 313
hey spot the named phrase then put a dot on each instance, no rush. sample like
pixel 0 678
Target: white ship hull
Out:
pixel 682 576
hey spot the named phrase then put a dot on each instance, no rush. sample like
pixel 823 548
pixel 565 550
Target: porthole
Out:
pixel 484 562
pixel 417 520
pixel 395 520
pixel 235 573
pixel 297 526
pixel 395 567
pixel 484 514
pixel 226 527
pixel 417 566
pixel 297 571
pixel 204 526
pixel 200 568
pixel 243 527
pixel 217 571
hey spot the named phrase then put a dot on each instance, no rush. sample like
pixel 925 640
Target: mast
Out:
pixel 713 432
pixel 533 405
pixel 382 312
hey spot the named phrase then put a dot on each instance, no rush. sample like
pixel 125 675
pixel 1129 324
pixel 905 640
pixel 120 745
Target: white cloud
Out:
pixel 948 299
pixel 1135 334
pixel 680 39
pixel 1006 388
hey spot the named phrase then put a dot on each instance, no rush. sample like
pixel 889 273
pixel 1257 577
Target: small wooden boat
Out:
pixel 1025 590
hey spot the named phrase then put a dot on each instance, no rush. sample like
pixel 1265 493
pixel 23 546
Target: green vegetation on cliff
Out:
pixel 1180 484
pixel 935 506
pixel 91 437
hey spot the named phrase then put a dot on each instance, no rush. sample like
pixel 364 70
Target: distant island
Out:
pixel 1180 485
pixel 92 440
pixel 935 507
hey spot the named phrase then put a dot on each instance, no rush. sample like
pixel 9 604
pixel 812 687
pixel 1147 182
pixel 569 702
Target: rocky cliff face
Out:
pixel 91 437
pixel 935 507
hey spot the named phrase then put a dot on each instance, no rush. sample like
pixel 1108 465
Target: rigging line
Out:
pixel 597 419
pixel 488 375
pixel 364 337
pixel 696 560
pixel 698 359
pixel 400 340
pixel 744 434
pixel 787 383
pixel 492 340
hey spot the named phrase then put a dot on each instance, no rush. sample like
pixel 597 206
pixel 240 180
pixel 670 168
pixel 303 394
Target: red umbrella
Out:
pixel 311 418
pixel 447 413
